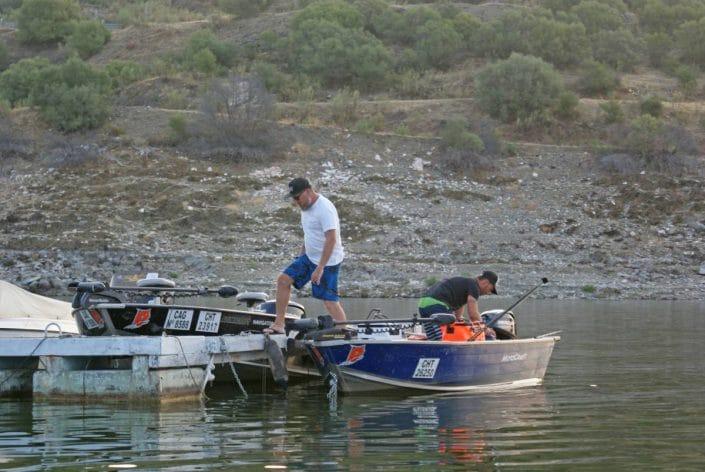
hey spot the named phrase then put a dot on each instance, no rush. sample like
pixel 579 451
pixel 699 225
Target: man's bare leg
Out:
pixel 335 309
pixel 284 283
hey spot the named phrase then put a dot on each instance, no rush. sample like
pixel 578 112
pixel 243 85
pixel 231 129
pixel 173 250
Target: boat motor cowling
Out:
pixel 505 327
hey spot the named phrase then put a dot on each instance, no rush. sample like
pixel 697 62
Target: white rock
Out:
pixel 417 165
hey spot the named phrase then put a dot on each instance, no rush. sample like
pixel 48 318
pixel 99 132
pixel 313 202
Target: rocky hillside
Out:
pixel 406 221
pixel 145 191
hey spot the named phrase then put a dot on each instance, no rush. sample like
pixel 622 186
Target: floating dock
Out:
pixel 155 367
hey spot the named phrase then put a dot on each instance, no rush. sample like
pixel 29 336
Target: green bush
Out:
pixel 72 95
pixel 597 79
pixel 204 61
pixel 6 6
pixel 344 106
pixel 4 56
pixel 370 11
pixel 334 11
pixel 517 31
pixel 403 28
pixel 123 73
pixel 468 27
pixel 654 141
pixel 566 107
pixel 75 108
pixel 658 17
pixel 369 125
pixel 274 80
pixel 154 11
pixel 597 16
pixel 619 49
pixel 659 48
pixel 87 38
pixel 337 55
pixel 642 136
pixel 178 126
pixel 244 8
pixel 519 89
pixel 456 135
pixel 690 40
pixel 437 43
pixel 651 105
pixel 44 21
pixel 612 112
pixel 411 84
pixel 687 79
pixel 20 79
pixel 194 56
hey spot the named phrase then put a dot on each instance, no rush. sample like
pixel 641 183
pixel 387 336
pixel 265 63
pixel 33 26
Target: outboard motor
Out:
pixel 293 308
pixel 505 327
pixel 260 302
pixel 159 296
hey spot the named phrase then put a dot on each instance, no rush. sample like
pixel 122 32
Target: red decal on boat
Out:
pixel 141 318
pixel 356 353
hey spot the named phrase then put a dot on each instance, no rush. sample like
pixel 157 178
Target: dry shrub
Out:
pixel 236 121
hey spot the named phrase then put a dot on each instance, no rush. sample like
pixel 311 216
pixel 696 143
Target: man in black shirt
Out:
pixel 451 295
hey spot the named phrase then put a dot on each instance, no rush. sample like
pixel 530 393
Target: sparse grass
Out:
pixel 588 289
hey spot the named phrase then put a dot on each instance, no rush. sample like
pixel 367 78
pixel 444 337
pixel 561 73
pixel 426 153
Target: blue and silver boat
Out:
pixel 363 363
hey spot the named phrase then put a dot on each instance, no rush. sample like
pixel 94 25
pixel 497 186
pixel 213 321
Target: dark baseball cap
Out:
pixel 298 185
pixel 492 277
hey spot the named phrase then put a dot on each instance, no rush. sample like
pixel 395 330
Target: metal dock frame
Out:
pixel 156 367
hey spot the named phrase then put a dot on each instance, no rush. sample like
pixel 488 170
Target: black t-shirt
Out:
pixel 454 291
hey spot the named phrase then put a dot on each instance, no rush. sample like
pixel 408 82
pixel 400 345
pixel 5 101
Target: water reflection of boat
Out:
pixel 450 428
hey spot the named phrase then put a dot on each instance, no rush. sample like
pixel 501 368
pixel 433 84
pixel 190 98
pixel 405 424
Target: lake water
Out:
pixel 624 390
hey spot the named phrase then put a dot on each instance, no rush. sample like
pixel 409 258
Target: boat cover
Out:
pixel 19 303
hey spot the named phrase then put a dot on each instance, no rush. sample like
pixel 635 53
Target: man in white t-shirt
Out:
pixel 319 261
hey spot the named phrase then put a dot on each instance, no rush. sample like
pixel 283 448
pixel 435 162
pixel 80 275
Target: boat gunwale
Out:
pixel 404 341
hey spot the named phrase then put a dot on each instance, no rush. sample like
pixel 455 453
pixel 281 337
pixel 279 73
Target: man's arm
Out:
pixel 325 255
pixel 459 314
pixel 473 313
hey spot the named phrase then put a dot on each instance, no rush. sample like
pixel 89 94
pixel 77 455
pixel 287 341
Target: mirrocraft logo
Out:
pixel 141 318
pixel 356 353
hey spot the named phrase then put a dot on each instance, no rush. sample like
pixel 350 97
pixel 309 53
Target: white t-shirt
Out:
pixel 316 220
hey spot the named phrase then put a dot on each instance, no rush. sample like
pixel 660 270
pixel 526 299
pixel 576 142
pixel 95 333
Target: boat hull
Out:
pixel 372 365
pixel 109 319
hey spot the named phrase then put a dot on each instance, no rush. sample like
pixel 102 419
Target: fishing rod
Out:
pixel 494 320
pixel 224 291
pixel 326 321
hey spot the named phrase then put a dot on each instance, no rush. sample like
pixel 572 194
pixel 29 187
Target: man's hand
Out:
pixel 317 274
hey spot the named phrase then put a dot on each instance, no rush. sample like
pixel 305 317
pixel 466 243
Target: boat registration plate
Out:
pixel 208 321
pixel 426 368
pixel 178 319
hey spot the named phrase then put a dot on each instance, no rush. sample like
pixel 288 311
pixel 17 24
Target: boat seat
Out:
pixel 251 298
pixel 156 283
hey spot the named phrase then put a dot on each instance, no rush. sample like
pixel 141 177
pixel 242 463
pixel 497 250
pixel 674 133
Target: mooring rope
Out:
pixel 188 367
pixel 332 394
pixel 224 350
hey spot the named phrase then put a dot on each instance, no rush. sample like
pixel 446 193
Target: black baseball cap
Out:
pixel 298 185
pixel 492 277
